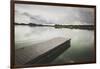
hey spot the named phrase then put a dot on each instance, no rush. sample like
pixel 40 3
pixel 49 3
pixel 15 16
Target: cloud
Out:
pixel 53 14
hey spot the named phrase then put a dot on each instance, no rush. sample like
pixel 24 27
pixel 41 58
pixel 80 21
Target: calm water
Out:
pixel 82 41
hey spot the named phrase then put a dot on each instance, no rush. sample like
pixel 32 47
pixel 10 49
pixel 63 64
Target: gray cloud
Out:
pixel 53 14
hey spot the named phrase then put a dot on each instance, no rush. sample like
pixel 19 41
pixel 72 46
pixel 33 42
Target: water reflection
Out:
pixel 82 41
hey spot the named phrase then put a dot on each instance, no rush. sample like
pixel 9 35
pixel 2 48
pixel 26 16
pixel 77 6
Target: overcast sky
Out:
pixel 45 14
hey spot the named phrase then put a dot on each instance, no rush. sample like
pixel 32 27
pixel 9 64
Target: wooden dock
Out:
pixel 41 55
